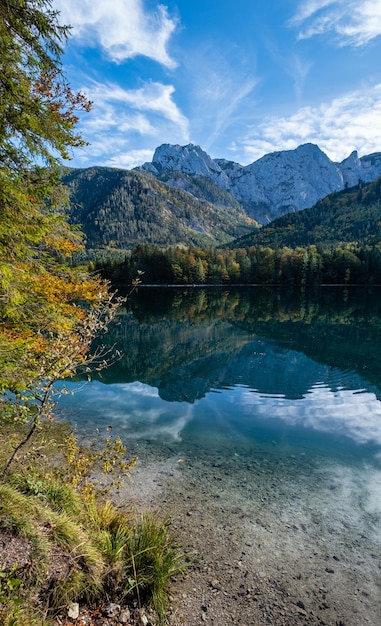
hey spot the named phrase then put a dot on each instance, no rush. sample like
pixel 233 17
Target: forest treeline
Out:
pixel 338 241
pixel 302 266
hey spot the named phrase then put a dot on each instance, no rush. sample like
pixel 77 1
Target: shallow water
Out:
pixel 267 403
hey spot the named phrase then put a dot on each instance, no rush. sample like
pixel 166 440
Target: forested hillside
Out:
pixel 118 209
pixel 352 215
pixel 337 241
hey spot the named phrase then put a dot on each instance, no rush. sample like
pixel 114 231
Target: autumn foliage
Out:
pixel 50 311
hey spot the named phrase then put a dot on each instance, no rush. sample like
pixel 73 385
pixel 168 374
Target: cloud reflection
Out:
pixel 134 407
pixel 138 409
pixel 351 413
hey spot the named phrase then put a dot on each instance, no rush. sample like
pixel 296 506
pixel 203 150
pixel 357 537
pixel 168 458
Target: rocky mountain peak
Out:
pixel 277 183
pixel 190 159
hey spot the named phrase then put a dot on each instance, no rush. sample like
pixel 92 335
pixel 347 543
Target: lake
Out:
pixel 269 400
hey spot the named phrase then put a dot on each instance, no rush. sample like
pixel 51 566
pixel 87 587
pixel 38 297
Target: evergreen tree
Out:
pixel 50 311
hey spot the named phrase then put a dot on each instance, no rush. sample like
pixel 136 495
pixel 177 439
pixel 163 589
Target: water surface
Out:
pixel 258 413
pixel 231 369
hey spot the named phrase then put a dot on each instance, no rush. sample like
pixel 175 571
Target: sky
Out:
pixel 240 78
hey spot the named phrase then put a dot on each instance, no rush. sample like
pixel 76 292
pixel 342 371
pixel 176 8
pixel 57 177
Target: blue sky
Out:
pixel 240 78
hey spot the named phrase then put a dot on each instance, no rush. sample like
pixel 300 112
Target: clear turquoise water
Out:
pixel 228 371
pixel 271 402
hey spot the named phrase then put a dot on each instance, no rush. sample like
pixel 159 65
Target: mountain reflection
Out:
pixel 186 342
pixel 213 367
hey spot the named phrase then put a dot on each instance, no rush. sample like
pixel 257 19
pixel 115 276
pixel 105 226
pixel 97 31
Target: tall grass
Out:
pixel 151 560
pixel 104 553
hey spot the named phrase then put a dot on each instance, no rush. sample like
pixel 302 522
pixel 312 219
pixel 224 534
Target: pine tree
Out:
pixel 50 311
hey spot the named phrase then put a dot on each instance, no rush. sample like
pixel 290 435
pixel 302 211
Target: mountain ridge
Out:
pixel 277 183
pixel 185 198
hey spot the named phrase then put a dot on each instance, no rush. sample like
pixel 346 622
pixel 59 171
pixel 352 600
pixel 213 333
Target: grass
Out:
pixel 75 546
pixel 152 559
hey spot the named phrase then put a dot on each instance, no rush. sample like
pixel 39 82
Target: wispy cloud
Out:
pixel 120 115
pixel 352 122
pixel 124 30
pixel 225 108
pixel 309 8
pixel 152 97
pixel 220 84
pixel 298 69
pixel 353 22
pixel 290 62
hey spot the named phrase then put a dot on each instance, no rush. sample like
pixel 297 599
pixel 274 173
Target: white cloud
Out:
pixel 126 125
pixel 353 22
pixel 306 9
pixel 123 28
pixel 131 159
pixel 352 122
pixel 106 118
pixel 152 97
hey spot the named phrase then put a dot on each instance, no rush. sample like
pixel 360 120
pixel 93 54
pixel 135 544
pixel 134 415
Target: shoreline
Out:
pixel 307 287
